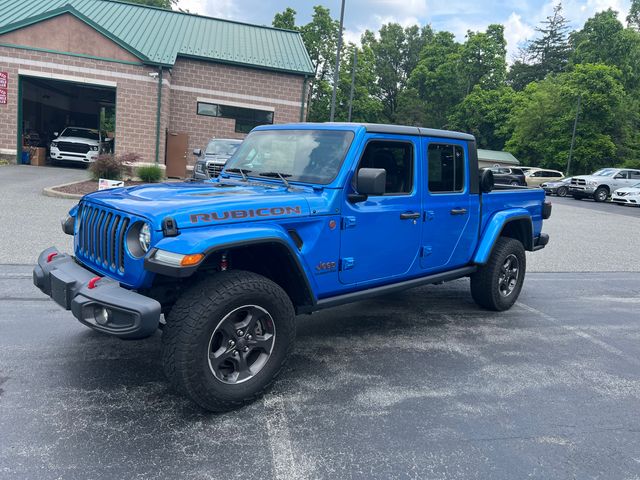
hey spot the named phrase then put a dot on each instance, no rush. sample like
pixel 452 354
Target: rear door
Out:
pixel 381 236
pixel 451 223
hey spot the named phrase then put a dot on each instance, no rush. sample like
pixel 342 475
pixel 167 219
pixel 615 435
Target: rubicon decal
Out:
pixel 250 213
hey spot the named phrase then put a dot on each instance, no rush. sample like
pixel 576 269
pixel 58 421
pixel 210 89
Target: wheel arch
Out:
pixel 516 224
pixel 273 258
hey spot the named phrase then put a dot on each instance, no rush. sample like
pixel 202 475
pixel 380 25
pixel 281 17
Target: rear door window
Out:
pixel 446 168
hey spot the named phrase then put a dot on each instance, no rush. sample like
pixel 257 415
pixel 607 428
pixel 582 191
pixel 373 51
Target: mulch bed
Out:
pixel 88 186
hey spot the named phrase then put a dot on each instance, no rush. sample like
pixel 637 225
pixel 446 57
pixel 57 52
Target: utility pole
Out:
pixel 573 135
pixel 336 70
pixel 353 80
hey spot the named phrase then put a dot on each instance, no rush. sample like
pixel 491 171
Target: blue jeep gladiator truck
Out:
pixel 303 217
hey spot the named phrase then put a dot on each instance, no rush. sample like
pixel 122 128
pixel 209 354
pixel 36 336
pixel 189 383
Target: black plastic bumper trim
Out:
pixel 130 315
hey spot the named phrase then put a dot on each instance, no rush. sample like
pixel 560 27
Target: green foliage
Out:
pixel 417 76
pixel 107 166
pixel 286 19
pixel 485 114
pixel 542 121
pixel 150 173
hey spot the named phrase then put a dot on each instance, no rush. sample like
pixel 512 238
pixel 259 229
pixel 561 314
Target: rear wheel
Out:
pixel 227 338
pixel 496 285
pixel 601 194
pixel 562 191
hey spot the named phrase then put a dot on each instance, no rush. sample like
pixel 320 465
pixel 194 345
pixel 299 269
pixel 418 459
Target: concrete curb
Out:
pixel 50 192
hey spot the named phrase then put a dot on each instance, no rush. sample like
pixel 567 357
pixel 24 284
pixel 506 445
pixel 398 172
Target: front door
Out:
pixel 447 207
pixel 381 236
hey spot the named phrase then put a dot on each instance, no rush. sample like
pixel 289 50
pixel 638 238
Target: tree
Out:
pixel 397 51
pixel 367 106
pixel 543 116
pixel 483 57
pixel 550 52
pixel 435 86
pixel 485 114
pixel 285 19
pixel 633 18
pixel 168 4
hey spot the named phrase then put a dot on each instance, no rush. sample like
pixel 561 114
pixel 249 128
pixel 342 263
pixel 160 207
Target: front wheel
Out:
pixel 227 338
pixel 562 191
pixel 496 285
pixel 601 194
pixel 515 184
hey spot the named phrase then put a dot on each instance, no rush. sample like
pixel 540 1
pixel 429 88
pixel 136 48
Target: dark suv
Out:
pixel 508 176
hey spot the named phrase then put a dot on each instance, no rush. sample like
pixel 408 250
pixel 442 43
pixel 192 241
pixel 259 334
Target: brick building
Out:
pixel 160 82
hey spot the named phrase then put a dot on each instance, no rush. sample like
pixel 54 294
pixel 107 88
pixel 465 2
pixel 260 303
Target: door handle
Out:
pixel 409 216
pixel 459 211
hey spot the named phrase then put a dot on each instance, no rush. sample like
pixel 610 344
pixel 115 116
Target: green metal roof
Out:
pixel 158 36
pixel 497 156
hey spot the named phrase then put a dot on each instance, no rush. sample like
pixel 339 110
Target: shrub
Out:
pixel 107 166
pixel 150 173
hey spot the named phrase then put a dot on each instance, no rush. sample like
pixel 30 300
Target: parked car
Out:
pixel 230 262
pixel 600 184
pixel 627 195
pixel 536 177
pixel 508 176
pixel 76 144
pixel 218 151
pixel 559 188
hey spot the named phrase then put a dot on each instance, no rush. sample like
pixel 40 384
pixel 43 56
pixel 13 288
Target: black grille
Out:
pixel 73 147
pixel 101 237
pixel 214 170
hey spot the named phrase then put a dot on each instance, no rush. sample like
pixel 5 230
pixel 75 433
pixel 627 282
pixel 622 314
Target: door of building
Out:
pixel 177 146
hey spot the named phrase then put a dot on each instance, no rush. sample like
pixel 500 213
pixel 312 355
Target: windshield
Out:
pixel 605 172
pixel 222 147
pixel 312 156
pixel 80 132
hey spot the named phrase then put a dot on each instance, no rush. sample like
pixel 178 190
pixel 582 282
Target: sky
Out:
pixel 519 17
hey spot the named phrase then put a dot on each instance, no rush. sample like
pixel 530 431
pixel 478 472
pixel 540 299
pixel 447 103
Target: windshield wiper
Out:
pixel 240 171
pixel 279 175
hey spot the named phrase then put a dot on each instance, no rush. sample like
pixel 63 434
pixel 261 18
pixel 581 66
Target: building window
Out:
pixel 446 168
pixel 246 118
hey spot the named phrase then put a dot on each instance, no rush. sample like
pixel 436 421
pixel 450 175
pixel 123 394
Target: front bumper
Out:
pixel 581 190
pixel 56 154
pixel 626 200
pixel 105 306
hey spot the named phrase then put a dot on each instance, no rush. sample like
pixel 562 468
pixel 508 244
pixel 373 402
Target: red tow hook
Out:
pixel 92 283
pixel 50 256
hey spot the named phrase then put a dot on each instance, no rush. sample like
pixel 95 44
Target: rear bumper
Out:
pixel 540 242
pixel 107 307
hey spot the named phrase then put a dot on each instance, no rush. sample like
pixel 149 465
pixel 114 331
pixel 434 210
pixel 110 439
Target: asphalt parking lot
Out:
pixel 420 384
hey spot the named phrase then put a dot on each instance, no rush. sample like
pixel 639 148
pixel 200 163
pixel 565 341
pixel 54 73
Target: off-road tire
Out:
pixel 598 194
pixel 485 281
pixel 194 318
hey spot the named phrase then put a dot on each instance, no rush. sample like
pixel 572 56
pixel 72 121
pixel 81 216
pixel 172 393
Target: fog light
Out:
pixel 102 315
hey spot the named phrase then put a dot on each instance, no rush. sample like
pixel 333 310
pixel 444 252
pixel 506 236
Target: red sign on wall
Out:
pixel 3 96
pixel 4 79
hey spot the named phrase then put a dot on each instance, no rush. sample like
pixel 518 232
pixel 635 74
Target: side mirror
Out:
pixel 197 152
pixel 55 134
pixel 370 181
pixel 486 181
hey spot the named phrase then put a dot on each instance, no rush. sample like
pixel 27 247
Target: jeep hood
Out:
pixel 204 204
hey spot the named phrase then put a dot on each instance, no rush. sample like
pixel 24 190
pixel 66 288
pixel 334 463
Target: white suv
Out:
pixel 76 144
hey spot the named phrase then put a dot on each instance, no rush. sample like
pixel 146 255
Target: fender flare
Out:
pixel 496 226
pixel 210 241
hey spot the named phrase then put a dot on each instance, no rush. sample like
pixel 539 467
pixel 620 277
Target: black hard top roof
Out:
pixel 423 132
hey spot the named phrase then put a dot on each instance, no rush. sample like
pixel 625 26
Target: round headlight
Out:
pixel 144 237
